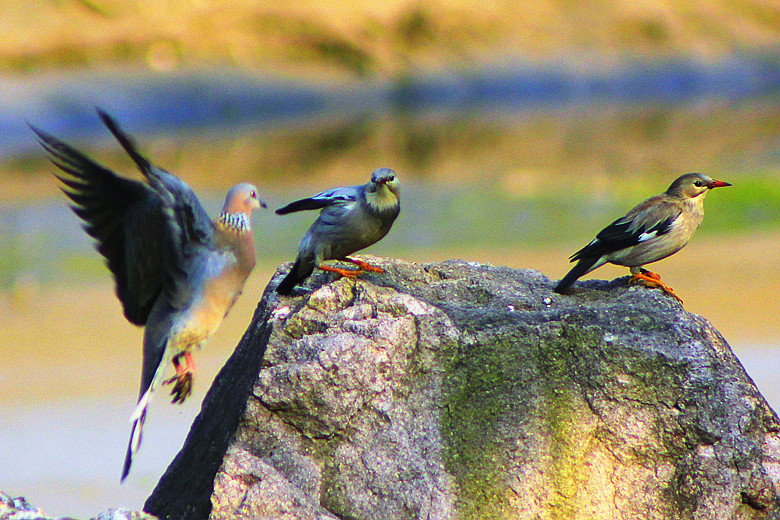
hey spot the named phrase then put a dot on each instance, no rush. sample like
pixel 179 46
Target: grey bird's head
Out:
pixel 692 185
pixel 383 192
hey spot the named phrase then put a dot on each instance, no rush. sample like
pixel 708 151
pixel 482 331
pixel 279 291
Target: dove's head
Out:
pixel 242 198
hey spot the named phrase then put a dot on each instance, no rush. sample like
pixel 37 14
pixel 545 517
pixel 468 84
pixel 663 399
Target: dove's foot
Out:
pixel 182 381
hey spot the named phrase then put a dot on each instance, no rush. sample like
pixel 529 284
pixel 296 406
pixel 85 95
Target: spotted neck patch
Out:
pixel 235 222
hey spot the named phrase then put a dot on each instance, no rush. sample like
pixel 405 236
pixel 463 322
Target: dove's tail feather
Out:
pixel 138 418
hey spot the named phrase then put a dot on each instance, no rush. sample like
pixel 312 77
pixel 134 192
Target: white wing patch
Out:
pixel 647 236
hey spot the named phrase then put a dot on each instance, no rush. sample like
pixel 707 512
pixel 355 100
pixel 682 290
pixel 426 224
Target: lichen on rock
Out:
pixel 467 391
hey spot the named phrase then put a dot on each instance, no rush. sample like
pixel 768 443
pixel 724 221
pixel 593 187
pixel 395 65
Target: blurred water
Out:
pixel 64 102
pixel 516 167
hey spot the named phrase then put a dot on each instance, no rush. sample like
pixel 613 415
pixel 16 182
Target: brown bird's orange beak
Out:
pixel 717 184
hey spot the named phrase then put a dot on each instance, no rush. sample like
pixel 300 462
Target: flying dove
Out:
pixel 177 272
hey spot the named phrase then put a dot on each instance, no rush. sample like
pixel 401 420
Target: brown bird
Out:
pixel 177 272
pixel 653 230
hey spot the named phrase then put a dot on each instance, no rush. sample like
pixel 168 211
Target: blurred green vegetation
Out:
pixel 603 150
pixel 752 204
pixel 435 218
pixel 541 177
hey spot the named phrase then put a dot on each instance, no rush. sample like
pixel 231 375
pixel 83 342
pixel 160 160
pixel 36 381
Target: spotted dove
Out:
pixel 177 272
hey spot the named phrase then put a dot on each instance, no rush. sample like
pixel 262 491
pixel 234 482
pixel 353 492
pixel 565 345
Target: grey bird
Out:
pixel 350 219
pixel 654 229
pixel 177 272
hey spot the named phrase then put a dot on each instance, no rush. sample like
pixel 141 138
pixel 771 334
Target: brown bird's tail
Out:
pixel 584 266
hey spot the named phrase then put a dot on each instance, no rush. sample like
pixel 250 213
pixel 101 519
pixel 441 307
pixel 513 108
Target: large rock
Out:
pixel 460 391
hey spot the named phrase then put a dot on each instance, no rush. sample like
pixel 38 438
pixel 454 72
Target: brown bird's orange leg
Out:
pixel 349 273
pixel 650 279
pixel 364 265
pixel 183 378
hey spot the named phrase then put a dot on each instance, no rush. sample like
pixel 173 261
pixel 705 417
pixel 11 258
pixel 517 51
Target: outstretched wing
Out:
pixel 107 203
pixel 651 219
pixel 144 232
pixel 189 230
pixel 338 197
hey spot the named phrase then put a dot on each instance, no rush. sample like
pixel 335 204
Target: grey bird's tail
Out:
pixel 292 279
pixel 584 265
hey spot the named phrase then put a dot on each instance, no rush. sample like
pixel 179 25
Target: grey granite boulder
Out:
pixel 468 391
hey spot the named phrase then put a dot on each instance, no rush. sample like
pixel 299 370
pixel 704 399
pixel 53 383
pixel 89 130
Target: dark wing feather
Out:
pixel 126 141
pixel 193 222
pixel 189 229
pixel 582 267
pixel 148 234
pixel 644 222
pixel 107 203
pixel 337 196
pixel 302 205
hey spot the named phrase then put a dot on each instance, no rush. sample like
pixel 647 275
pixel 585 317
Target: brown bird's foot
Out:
pixel 364 265
pixel 182 387
pixel 650 279
pixel 654 276
pixel 349 273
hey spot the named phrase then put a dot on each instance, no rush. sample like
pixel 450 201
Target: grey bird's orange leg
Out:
pixel 183 378
pixel 365 266
pixel 349 273
pixel 650 279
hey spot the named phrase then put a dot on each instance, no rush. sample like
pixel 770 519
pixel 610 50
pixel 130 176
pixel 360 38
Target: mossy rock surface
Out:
pixel 466 391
